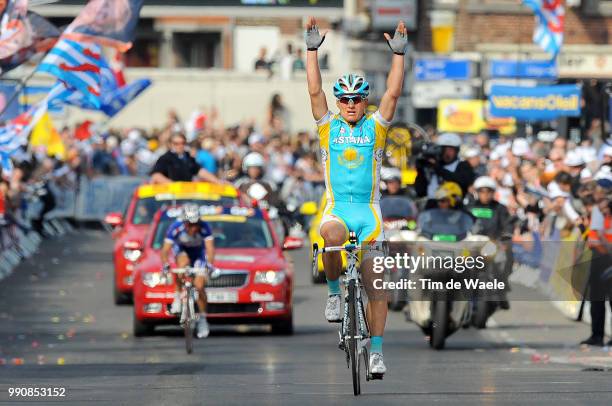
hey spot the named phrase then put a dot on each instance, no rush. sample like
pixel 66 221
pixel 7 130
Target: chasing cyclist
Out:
pixel 352 147
pixel 192 242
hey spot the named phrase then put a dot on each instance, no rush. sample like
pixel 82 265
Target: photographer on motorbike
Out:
pixel 253 184
pixel 440 163
pixel 392 179
pixel 492 219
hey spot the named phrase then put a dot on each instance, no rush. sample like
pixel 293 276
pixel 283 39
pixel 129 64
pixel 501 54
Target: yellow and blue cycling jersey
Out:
pixel 352 157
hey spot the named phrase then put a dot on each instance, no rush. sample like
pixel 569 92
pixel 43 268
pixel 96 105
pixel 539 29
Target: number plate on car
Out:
pixel 221 296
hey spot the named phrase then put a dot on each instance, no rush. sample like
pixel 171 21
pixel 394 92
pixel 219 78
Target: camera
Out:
pixel 426 152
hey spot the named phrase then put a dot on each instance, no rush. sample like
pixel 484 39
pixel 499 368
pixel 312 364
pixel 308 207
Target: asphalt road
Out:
pixel 59 328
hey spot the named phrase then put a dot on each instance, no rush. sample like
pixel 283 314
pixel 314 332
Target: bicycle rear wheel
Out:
pixel 352 340
pixel 188 324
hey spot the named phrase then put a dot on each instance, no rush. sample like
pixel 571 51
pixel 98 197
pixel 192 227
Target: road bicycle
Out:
pixel 354 332
pixel 189 296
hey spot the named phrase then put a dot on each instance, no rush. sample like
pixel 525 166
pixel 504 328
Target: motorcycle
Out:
pixel 399 213
pixel 439 312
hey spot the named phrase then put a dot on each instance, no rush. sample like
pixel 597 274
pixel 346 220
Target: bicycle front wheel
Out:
pixel 352 340
pixel 188 324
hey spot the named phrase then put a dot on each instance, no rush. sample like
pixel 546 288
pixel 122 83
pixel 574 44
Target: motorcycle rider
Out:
pixel 446 166
pixel 492 219
pixel 392 179
pixel 253 184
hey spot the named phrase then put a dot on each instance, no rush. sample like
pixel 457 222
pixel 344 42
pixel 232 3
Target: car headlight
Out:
pixel 489 249
pixel 270 277
pixel 153 279
pixel 132 255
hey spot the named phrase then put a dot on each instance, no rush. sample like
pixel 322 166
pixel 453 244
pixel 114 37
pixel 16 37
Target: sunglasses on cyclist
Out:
pixel 354 99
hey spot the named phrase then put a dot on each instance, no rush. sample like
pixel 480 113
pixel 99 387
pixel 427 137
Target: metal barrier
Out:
pixel 90 201
pixel 93 198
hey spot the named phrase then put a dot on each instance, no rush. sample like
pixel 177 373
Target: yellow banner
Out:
pixel 461 116
pixel 467 116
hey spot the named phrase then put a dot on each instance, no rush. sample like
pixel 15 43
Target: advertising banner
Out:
pixel 442 68
pixel 386 14
pixel 471 116
pixel 523 69
pixel 535 103
pixel 463 116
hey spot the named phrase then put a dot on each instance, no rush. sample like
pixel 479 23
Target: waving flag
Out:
pixel 113 97
pixel 78 66
pixel 14 133
pixel 44 36
pixel 106 22
pixel 550 17
pixel 14 30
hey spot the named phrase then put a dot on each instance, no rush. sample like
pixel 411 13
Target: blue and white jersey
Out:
pixel 178 236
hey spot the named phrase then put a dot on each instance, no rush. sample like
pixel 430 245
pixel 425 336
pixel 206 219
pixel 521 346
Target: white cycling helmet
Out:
pixel 252 159
pixel 449 140
pixel 191 214
pixel 485 182
pixel 387 174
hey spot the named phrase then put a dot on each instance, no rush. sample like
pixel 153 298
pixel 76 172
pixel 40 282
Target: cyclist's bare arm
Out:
pixel 395 80
pixel 210 250
pixel 165 252
pixel 318 101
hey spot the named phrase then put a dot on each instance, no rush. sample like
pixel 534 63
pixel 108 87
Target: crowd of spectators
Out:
pixel 290 157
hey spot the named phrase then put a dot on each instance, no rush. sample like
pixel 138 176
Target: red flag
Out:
pixel 83 131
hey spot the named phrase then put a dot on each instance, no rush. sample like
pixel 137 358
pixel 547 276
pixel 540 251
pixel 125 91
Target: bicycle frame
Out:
pixel 353 303
pixel 189 296
pixel 352 274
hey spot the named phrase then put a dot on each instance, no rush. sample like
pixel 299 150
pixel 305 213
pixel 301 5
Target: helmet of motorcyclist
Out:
pixel 253 159
pixel 351 85
pixel 388 174
pixel 485 182
pixel 191 214
pixel 451 191
pixel 449 140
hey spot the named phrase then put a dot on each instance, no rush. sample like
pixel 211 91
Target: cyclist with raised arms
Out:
pixel 352 146
pixel 191 240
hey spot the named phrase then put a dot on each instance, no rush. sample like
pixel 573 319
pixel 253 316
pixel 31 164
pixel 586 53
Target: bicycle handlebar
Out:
pixel 348 247
pixel 188 270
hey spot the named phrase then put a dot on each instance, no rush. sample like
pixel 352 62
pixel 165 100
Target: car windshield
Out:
pixel 438 222
pixel 145 208
pixel 233 232
pixel 397 207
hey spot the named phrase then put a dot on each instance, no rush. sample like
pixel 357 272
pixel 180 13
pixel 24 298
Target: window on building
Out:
pixel 198 49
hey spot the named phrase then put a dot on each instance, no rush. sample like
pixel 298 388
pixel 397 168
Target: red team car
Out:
pixel 131 227
pixel 253 283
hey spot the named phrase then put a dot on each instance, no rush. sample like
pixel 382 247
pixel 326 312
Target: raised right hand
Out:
pixel 312 37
